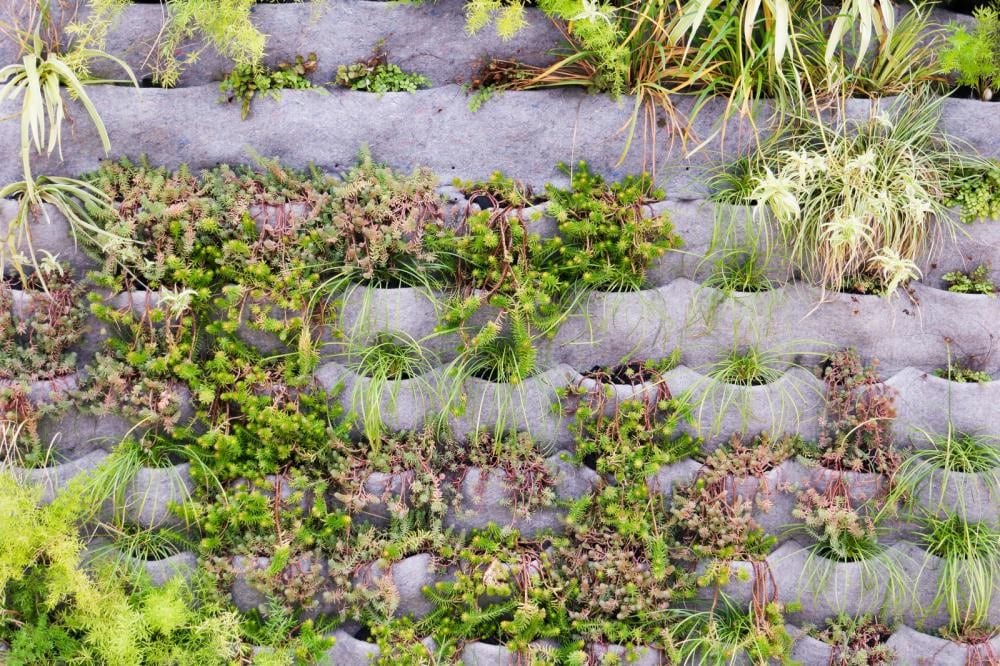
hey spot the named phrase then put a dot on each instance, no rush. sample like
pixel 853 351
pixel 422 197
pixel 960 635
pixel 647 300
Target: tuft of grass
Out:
pixel 967 580
pixel 748 367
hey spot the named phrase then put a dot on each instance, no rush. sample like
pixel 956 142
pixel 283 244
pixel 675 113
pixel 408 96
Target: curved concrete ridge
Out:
pixel 54 479
pixel 910 646
pixel 304 127
pixel 72 430
pixel 428 39
pixel 901 581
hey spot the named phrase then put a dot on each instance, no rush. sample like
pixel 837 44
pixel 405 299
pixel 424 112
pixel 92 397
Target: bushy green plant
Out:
pixel 378 75
pixel 959 372
pixel 976 282
pixel 609 233
pixel 65 614
pixel 974 57
pixel 730 633
pixel 977 192
pixel 377 224
pixel 247 81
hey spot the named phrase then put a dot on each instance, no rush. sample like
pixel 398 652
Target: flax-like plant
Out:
pixel 38 81
pixel 623 51
pixel 781 19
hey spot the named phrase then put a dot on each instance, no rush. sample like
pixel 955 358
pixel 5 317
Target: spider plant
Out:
pixel 968 578
pixel 38 80
pixel 782 18
pixel 75 200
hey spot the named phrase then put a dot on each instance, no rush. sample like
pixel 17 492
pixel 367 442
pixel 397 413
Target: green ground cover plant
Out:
pixel 976 281
pixel 247 81
pixel 378 75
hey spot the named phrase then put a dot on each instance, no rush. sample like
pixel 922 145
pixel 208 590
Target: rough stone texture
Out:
pixel 808 650
pixel 183 564
pixel 408 578
pixel 926 404
pixel 907 330
pixel 487 498
pixel 47 230
pixel 920 649
pixel 54 479
pixel 426 38
pixel 408 315
pixel 348 651
pixel 244 594
pixel 441 132
pixel 147 498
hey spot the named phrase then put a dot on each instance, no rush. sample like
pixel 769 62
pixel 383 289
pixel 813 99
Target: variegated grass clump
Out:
pixel 857 200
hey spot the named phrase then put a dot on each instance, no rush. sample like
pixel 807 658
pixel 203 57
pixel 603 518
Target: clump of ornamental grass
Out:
pixel 857 200
pixel 970 570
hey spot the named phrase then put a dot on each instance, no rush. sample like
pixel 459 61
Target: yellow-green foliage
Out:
pixel 191 26
pixel 67 614
pixel 509 16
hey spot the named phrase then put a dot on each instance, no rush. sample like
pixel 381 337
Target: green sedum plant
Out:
pixel 609 234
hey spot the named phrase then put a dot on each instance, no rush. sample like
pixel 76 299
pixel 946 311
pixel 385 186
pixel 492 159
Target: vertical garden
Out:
pixel 489 332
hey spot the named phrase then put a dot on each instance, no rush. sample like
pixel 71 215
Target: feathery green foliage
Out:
pixel 974 57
